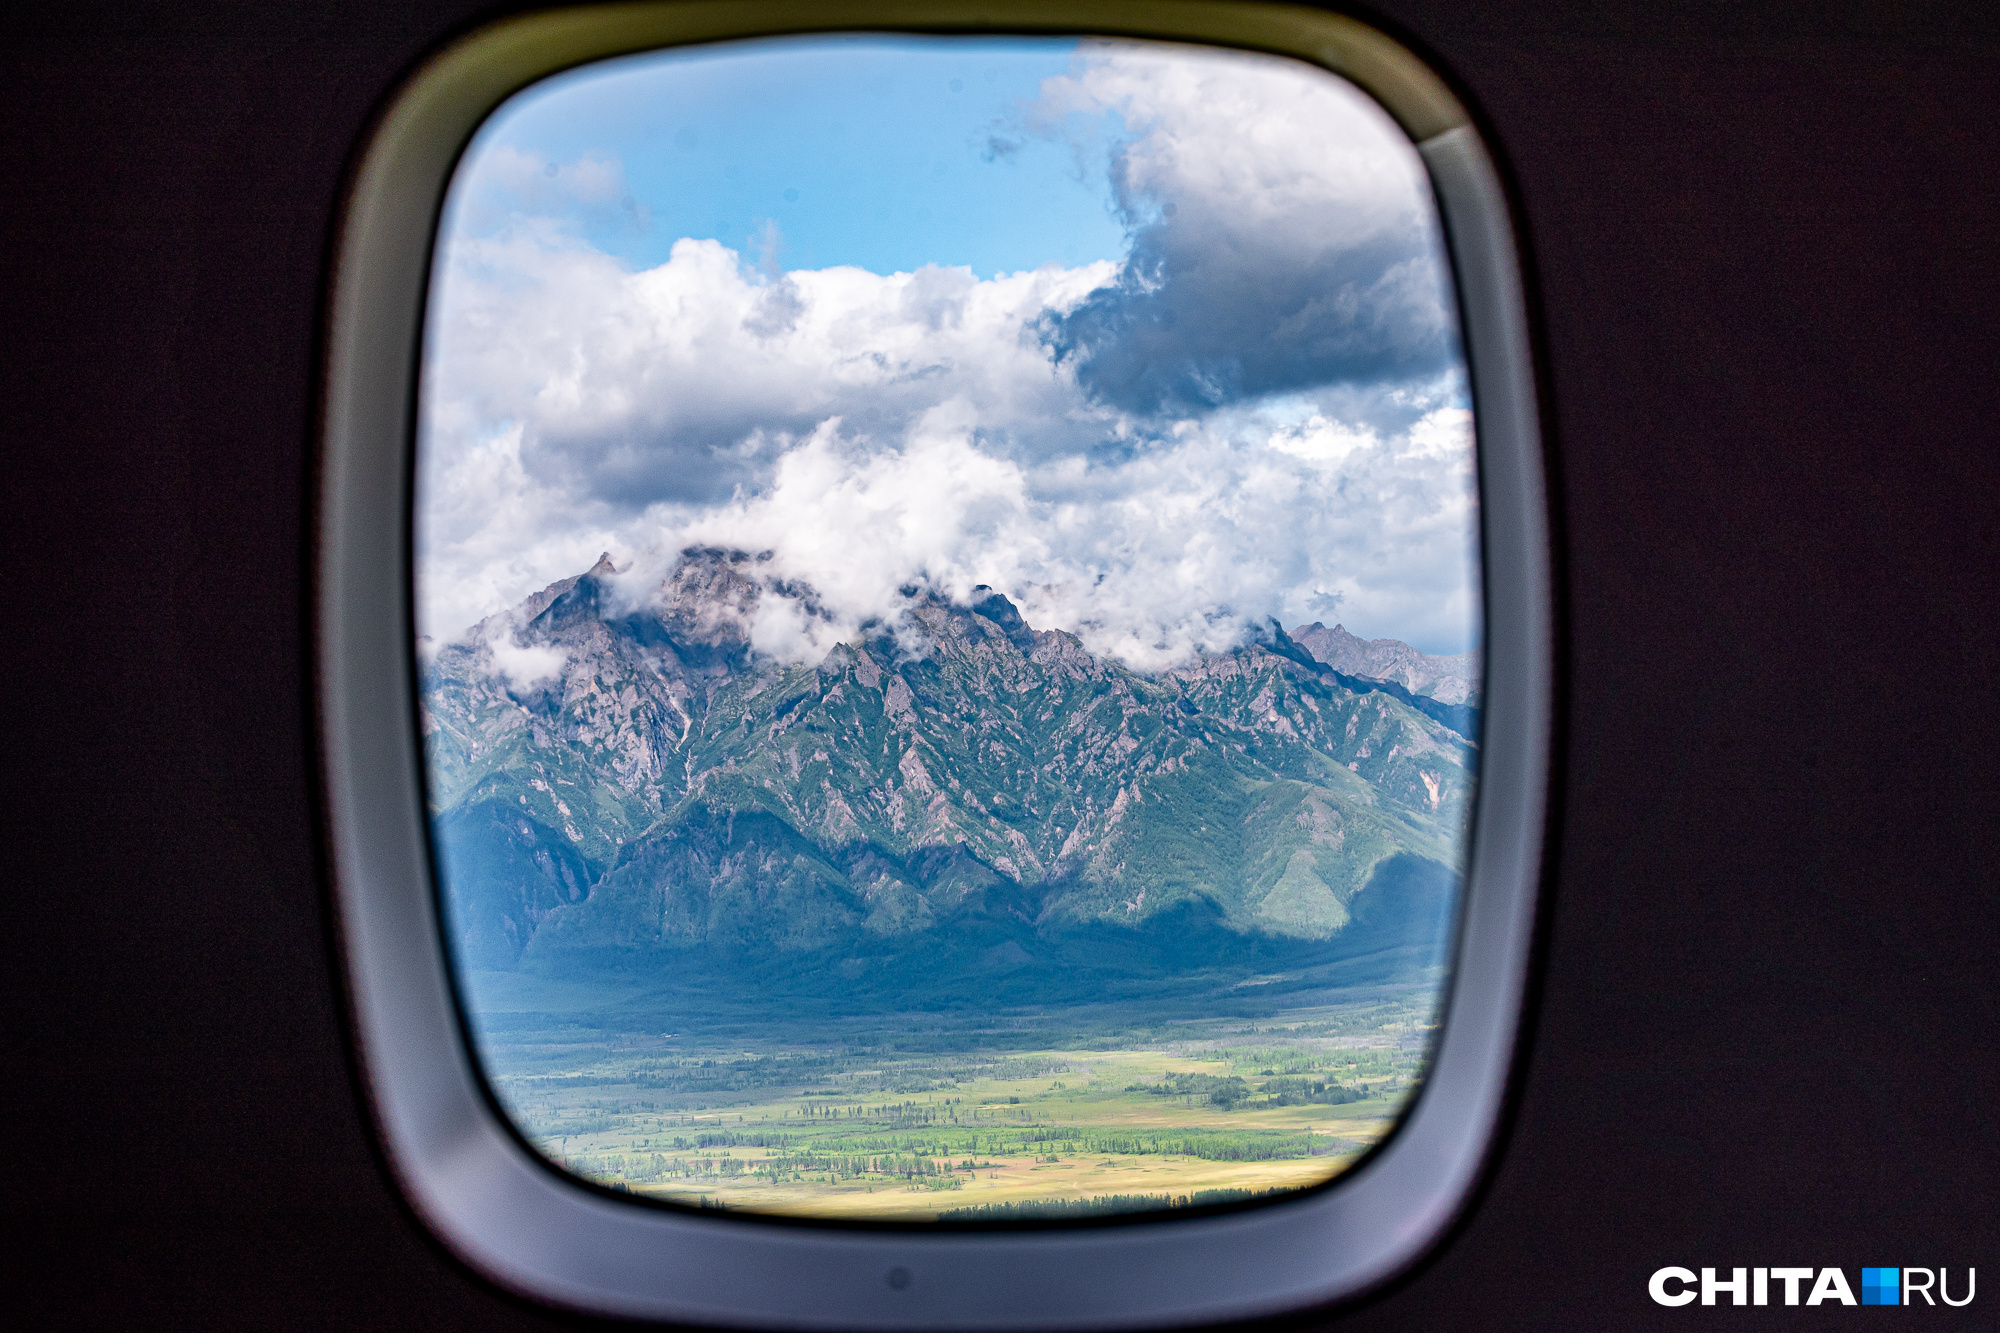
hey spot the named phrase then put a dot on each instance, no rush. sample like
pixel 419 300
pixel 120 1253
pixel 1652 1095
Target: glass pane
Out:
pixel 949 623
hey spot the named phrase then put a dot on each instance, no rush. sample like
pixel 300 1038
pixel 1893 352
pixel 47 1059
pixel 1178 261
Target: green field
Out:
pixel 909 1117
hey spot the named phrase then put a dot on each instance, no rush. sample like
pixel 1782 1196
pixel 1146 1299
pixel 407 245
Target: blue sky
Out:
pixel 1159 341
pixel 864 151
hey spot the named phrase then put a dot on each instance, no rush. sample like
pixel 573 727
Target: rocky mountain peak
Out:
pixel 708 600
pixel 1449 679
pixel 996 608
pixel 954 766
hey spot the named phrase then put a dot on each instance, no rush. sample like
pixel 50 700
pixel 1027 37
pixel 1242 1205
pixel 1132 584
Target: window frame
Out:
pixel 529 1227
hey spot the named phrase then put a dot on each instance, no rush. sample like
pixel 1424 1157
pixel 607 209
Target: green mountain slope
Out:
pixel 956 780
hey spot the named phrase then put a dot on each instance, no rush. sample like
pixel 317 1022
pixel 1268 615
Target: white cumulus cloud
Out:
pixel 1095 442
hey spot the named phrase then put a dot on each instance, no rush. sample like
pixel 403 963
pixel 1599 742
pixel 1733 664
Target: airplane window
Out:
pixel 933 639
pixel 948 574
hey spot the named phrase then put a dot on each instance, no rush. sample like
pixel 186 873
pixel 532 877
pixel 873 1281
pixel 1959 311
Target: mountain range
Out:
pixel 950 784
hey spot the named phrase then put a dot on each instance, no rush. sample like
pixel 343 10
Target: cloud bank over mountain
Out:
pixel 1259 412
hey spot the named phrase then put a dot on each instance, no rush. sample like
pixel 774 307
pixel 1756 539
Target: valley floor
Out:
pixel 903 1119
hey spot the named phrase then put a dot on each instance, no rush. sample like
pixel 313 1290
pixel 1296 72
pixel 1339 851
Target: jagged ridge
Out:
pixel 955 772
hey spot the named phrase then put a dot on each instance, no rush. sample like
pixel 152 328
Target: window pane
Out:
pixel 949 623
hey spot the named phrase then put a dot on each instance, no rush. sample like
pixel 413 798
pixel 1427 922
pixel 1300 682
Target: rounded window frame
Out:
pixel 553 1238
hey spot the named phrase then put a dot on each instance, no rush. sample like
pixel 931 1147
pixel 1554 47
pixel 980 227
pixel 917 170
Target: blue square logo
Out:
pixel 1879 1286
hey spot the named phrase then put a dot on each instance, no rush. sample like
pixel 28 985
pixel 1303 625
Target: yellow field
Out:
pixel 863 1154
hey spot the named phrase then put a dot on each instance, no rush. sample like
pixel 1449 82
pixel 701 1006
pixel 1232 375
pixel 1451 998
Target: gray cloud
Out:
pixel 1202 316
pixel 698 458
pixel 1282 238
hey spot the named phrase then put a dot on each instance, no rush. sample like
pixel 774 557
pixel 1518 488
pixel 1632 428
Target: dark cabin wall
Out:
pixel 1763 260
